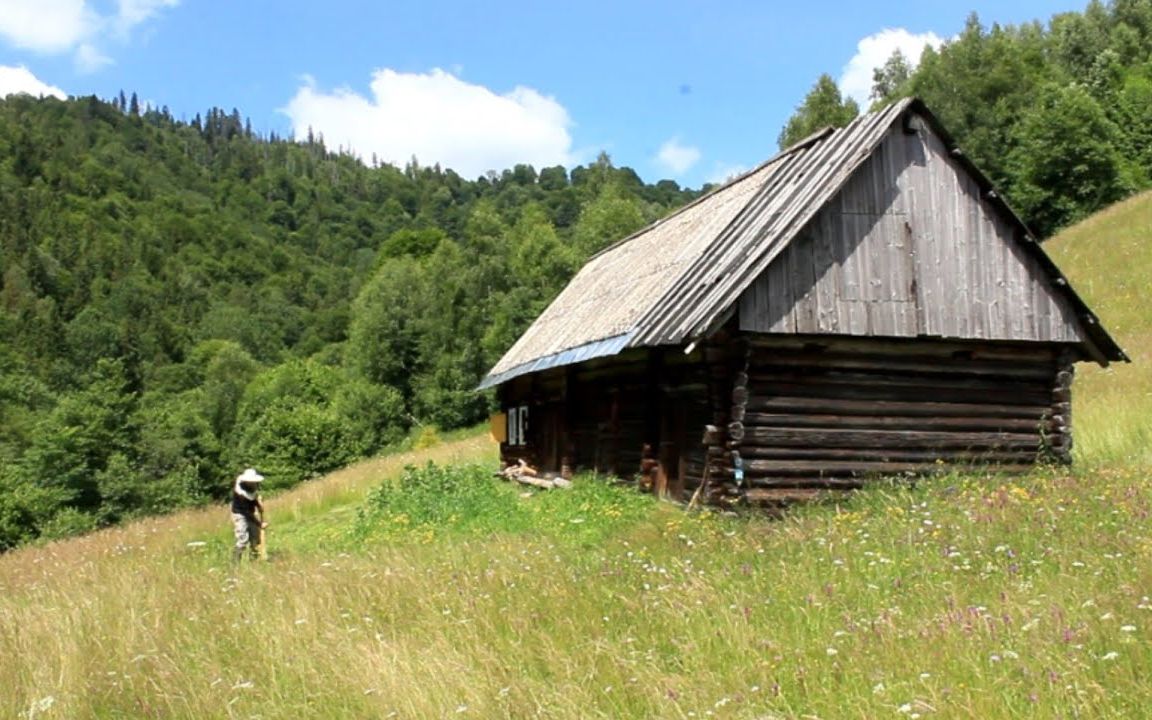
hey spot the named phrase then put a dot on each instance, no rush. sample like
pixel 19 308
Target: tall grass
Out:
pixel 1108 258
pixel 965 598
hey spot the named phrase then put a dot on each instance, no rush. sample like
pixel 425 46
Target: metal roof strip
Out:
pixel 600 348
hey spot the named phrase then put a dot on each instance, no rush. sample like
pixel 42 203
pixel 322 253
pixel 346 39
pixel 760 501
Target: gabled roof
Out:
pixel 677 280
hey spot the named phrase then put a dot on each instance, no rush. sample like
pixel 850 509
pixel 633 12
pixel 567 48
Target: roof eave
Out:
pixel 605 347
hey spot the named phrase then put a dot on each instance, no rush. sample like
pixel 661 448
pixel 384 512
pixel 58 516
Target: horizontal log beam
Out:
pixel 823 483
pixel 1006 395
pixel 834 406
pixel 920 346
pixel 890 455
pixel 893 423
pixel 904 363
pixel 819 437
pixel 832 376
pixel 802 471
pixel 834 468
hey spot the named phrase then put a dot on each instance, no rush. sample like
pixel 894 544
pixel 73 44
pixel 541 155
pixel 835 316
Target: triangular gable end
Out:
pixel 914 244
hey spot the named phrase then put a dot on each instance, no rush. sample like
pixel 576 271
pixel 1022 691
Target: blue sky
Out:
pixel 686 90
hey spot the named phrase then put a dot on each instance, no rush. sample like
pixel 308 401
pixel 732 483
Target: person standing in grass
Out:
pixel 247 513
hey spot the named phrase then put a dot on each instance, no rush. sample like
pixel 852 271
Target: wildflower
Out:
pixel 1128 628
pixel 832 651
pixel 42 705
pixel 1110 655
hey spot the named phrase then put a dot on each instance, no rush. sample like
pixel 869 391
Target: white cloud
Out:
pixel 130 13
pixel 89 59
pixel 677 158
pixel 873 51
pixel 437 118
pixel 17 80
pixel 47 26
pixel 54 27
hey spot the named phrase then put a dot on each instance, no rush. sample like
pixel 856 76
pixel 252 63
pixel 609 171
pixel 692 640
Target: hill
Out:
pixel 179 298
pixel 1108 258
pixel 966 596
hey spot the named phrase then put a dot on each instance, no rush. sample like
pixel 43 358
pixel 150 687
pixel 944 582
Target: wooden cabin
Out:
pixel 862 304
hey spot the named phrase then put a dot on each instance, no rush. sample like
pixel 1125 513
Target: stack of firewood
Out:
pixel 525 474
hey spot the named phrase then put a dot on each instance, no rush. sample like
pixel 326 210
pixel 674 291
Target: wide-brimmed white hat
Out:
pixel 250 476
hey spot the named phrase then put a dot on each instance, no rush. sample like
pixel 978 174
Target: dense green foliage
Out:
pixel 1059 116
pixel 182 299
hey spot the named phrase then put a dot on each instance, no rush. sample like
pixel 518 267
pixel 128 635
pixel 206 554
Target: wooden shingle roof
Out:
pixel 677 280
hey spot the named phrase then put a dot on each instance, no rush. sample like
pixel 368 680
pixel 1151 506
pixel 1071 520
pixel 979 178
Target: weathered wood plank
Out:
pixel 964 457
pixel 1009 394
pixel 911 363
pixel 833 376
pixel 886 422
pixel 873 408
pixel 820 437
pixel 926 348
pixel 831 468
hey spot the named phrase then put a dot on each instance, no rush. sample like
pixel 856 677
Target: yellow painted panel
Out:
pixel 498 427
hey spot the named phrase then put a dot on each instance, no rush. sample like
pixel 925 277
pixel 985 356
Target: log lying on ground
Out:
pixel 525 474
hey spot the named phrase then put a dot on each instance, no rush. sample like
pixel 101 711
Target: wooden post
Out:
pixel 1058 438
pixel 736 415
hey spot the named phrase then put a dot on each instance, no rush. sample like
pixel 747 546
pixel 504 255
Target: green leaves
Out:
pixel 1066 161
pixel 822 106
pixel 301 419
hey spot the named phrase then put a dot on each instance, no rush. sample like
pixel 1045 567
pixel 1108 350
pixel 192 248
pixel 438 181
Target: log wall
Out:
pixel 823 414
pixel 767 419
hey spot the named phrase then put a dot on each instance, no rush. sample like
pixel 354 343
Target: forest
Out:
pixel 182 298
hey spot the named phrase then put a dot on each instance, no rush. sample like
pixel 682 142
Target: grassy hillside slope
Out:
pixel 974 596
pixel 1108 258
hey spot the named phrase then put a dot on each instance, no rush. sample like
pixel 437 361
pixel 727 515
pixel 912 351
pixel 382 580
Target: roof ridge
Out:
pixel 658 331
pixel 802 144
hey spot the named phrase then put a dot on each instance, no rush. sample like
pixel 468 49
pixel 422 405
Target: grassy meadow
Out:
pixel 443 593
pixel 1108 258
